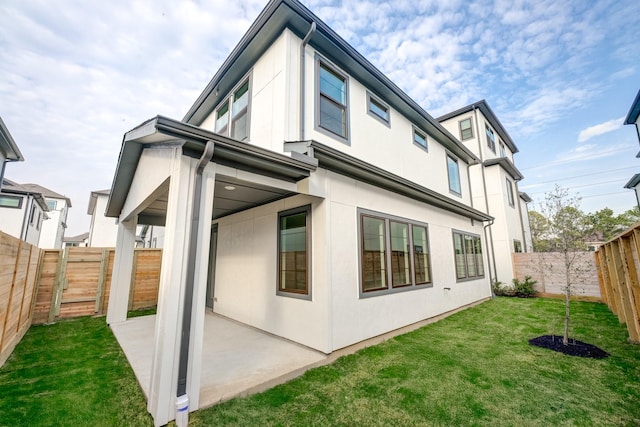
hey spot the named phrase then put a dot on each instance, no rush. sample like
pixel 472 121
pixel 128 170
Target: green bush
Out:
pixel 520 289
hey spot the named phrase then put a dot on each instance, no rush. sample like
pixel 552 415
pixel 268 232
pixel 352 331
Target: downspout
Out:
pixel 305 41
pixel 25 221
pixel 524 237
pixel 182 401
pixel 489 237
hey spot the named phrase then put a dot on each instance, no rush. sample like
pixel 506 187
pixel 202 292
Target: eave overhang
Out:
pixel 524 196
pixel 634 111
pixel 633 182
pixel 38 197
pixel 8 146
pixel 228 152
pixel 491 117
pixel 281 14
pixel 505 164
pixel 341 163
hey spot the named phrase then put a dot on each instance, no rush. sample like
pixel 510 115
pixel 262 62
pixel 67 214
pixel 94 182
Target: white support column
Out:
pixel 122 267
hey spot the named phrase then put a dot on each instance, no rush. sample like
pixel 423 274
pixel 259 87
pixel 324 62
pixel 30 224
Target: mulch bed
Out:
pixel 574 348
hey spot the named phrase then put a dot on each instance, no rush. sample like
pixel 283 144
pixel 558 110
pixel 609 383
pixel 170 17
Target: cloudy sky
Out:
pixel 560 75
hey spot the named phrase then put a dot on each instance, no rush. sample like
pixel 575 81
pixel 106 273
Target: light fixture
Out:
pixel 229 187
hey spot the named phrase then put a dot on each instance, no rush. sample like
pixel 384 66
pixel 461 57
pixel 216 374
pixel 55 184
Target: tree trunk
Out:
pixel 567 299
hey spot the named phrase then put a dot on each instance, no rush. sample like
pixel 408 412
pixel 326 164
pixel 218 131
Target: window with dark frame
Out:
pixel 377 109
pixel 232 116
pixel 503 151
pixel 491 138
pixel 453 172
pixel 420 138
pixel 467 250
pixel 466 131
pixel 14 202
pixel 332 104
pixel 294 251
pixel 510 193
pixel 517 246
pixel 394 254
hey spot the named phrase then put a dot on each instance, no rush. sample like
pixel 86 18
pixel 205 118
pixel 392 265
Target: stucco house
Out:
pixel 633 118
pixel 81 240
pixel 306 195
pixel 494 184
pixel 9 151
pixel 22 211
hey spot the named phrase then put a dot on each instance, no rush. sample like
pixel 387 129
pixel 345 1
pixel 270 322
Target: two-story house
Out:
pixel 22 211
pixel 54 226
pixel 303 194
pixel 633 118
pixel 9 151
pixel 494 184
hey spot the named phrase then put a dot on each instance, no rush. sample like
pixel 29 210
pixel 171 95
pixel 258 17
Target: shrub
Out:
pixel 520 289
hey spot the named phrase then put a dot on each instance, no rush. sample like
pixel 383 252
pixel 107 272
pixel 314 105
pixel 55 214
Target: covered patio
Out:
pixel 236 359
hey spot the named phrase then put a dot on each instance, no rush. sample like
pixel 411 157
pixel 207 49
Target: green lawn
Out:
pixel 473 368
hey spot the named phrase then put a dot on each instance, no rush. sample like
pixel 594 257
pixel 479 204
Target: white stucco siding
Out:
pixel 104 230
pixel 356 318
pixel 52 232
pixel 246 275
pixel 12 219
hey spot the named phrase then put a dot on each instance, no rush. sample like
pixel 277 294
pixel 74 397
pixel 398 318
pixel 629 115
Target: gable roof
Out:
pixel 488 113
pixel 291 14
pixel 36 188
pixel 7 145
pixel 634 111
pixel 93 199
pixel 12 187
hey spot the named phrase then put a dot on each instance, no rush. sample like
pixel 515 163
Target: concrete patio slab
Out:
pixel 237 359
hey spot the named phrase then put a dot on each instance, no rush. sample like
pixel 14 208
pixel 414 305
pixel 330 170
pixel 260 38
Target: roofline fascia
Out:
pixel 633 182
pixel 634 111
pixel 8 144
pixel 508 167
pixel 339 162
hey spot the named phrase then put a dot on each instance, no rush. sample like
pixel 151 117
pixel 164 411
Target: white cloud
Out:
pixel 600 129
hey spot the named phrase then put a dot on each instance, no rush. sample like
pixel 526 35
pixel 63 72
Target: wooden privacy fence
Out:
pixel 618 268
pixel 18 286
pixel 548 269
pixel 76 282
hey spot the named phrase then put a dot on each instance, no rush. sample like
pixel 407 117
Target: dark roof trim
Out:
pixel 488 113
pixel 505 164
pixel 8 146
pixel 281 14
pixel 228 152
pixel 524 196
pixel 339 162
pixel 633 182
pixel 17 189
pixel 634 111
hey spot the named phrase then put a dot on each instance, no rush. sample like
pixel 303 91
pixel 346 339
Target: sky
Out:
pixel 560 76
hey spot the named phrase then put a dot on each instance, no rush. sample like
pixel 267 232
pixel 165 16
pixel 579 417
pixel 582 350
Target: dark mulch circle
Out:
pixel 574 348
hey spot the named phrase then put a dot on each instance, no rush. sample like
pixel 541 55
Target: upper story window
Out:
pixel 503 151
pixel 491 139
pixel 52 204
pixel 378 109
pixel 420 138
pixel 454 175
pixel 510 193
pixel 332 105
pixel 14 202
pixel 466 131
pixel 232 116
pixel 294 243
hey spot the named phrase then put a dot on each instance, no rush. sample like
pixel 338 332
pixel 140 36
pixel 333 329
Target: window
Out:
pixel 467 250
pixel 454 175
pixel 420 138
pixel 294 251
pixel 32 214
pixel 503 152
pixel 466 131
pixel 491 139
pixel 510 193
pixel 38 223
pixel 10 202
pixel 234 123
pixel 377 109
pixel 332 101
pixel 394 254
pixel 517 246
pixel 52 205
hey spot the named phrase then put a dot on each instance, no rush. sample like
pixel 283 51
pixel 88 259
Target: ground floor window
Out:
pixel 294 254
pixel 468 255
pixel 394 253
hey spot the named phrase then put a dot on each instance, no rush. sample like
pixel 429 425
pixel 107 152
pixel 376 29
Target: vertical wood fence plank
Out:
pixel 24 289
pixel 601 277
pixel 16 265
pixel 630 278
pixel 104 260
pixel 56 295
pixel 613 279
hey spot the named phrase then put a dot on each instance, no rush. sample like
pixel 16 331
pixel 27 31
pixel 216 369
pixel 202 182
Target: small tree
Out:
pixel 566 225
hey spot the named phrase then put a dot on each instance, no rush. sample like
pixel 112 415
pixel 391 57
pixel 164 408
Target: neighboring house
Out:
pixel 55 224
pixel 77 241
pixel 633 118
pixel 103 231
pixel 306 195
pixel 494 184
pixel 22 211
pixel 9 151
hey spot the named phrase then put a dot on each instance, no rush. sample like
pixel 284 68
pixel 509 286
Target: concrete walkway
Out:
pixel 237 359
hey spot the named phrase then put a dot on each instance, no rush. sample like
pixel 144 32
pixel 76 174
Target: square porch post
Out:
pixel 122 268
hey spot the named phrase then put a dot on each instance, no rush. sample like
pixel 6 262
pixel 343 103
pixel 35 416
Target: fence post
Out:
pixel 58 286
pixel 13 284
pixel 134 271
pixel 104 260
pixel 631 280
pixel 24 289
pixel 36 284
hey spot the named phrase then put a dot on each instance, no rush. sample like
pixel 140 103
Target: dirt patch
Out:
pixel 574 348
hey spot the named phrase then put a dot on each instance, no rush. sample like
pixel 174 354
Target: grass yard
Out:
pixel 473 368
